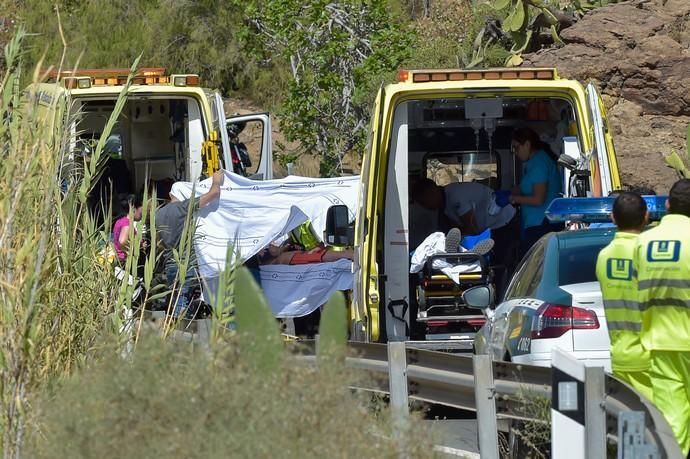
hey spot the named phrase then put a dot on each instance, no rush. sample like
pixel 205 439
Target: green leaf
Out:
pixel 675 162
pixel 333 328
pixel 260 337
pixel 555 36
pixel 514 60
pixel 520 41
pixel 515 19
pixel 500 4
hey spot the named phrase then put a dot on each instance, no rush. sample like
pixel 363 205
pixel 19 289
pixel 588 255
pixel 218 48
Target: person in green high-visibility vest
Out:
pixel 629 360
pixel 662 264
pixel 304 235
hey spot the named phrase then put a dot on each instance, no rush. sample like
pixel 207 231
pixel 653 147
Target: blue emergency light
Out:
pixel 597 210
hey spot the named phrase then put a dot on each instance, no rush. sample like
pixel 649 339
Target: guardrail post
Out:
pixel 397 386
pixel 568 407
pixel 397 379
pixel 595 416
pixel 484 395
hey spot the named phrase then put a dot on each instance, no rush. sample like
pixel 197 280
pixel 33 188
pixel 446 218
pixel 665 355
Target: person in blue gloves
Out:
pixel 540 184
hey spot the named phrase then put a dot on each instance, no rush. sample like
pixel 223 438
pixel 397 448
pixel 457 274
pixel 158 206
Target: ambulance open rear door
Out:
pixel 604 165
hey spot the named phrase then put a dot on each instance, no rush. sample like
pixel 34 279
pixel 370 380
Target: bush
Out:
pixel 170 401
pixel 206 37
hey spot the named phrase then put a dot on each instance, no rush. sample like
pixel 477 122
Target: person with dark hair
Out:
pixel 614 270
pixel 470 206
pixel 662 265
pixel 123 225
pixel 629 212
pixel 540 184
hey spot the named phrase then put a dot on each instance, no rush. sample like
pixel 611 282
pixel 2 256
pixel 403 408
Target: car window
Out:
pixel 577 265
pixel 529 274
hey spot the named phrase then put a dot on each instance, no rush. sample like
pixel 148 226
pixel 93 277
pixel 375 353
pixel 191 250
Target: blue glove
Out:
pixel 502 197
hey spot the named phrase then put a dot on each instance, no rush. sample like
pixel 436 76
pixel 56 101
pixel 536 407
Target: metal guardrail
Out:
pixel 448 379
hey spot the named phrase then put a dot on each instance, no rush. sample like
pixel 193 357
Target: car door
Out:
pixel 604 160
pixel 259 144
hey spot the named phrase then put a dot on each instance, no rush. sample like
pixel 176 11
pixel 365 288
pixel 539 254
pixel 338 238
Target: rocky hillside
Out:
pixel 638 53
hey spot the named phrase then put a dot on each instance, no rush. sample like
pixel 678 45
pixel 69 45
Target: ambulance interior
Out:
pixel 469 140
pixel 458 140
pixel 156 141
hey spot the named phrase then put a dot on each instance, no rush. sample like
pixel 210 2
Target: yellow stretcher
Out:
pixel 439 298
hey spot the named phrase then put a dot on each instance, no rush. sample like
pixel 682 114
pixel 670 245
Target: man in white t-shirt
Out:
pixel 469 205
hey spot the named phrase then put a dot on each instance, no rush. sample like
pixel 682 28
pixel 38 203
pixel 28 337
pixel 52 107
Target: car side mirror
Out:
pixel 338 231
pixel 479 297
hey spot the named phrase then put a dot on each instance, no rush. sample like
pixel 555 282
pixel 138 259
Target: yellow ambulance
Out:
pixel 450 126
pixel 169 129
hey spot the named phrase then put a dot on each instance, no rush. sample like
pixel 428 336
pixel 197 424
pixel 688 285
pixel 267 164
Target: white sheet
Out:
pixel 435 244
pixel 251 214
pixel 298 290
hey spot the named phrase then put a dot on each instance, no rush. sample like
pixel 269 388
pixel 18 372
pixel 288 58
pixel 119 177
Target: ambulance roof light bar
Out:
pixel 107 73
pixel 424 76
pixel 118 76
pixel 597 210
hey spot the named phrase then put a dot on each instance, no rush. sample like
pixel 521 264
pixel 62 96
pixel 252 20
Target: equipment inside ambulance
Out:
pixel 169 128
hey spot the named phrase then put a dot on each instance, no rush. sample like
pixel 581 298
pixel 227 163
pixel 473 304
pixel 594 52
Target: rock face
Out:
pixel 638 54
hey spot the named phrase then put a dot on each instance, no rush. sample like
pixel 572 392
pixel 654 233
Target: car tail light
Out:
pixel 553 320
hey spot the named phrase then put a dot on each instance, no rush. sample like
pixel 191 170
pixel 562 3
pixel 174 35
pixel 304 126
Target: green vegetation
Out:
pixel 336 51
pixel 520 26
pixel 678 163
pixel 171 401
pixel 55 300
pixel 316 64
pixel 243 397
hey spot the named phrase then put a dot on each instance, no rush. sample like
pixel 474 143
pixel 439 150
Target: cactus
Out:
pixel 260 337
pixel 333 329
pixel 523 19
pixel 676 162
pixel 524 22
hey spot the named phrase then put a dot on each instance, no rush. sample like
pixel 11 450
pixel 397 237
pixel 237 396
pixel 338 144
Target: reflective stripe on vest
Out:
pixel 664 303
pixel 662 261
pixel 663 283
pixel 627 326
pixel 622 304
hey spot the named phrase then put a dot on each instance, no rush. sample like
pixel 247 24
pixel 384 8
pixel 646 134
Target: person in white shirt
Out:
pixel 469 205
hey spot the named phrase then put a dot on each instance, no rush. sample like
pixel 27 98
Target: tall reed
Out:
pixel 55 298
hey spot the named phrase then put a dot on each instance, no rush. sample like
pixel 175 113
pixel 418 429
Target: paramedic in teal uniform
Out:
pixel 540 184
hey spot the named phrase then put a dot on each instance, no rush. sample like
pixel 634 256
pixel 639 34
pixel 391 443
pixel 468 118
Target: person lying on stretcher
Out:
pixel 289 254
